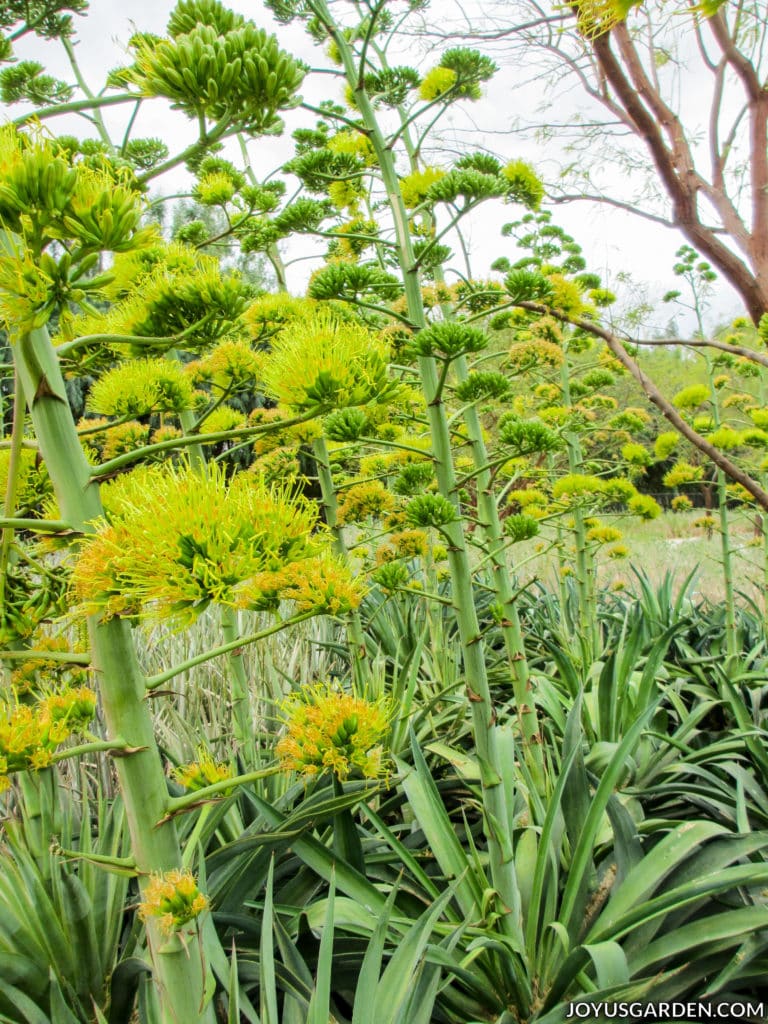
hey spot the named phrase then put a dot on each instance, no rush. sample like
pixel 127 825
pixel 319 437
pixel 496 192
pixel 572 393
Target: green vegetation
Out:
pixel 346 676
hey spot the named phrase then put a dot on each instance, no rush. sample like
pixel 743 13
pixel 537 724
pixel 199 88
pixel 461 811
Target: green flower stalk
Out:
pixel 179 972
pixel 436 83
pixel 498 825
pixel 726 553
pixel 585 567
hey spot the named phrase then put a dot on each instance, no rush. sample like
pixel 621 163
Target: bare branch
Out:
pixel 618 203
pixel 682 184
pixel 734 350
pixel 663 404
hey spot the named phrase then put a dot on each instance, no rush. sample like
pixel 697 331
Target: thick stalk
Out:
pixel 585 570
pixel 178 972
pixel 725 536
pixel 12 483
pixel 356 637
pixel 490 524
pixel 498 825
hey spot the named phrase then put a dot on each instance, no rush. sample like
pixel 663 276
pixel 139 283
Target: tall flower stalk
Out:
pixel 179 970
pixel 726 554
pixel 498 824
pixel 585 568
pixel 490 524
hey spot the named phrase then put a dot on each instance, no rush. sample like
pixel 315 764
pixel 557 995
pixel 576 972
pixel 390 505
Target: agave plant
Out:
pixel 63 918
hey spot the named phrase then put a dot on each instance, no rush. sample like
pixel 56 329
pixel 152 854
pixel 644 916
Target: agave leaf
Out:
pixel 692 939
pixel 752 947
pixel 60 1012
pixel 627 847
pixel 582 855
pixel 320 1003
pixel 545 880
pixel 321 860
pixel 672 900
pixel 124 985
pixel 433 819
pixel 296 978
pixel 27 1010
pixel 407 963
pixel 466 766
pixel 651 871
pixel 403 854
pixel 233 991
pixel 364 1009
pixel 268 987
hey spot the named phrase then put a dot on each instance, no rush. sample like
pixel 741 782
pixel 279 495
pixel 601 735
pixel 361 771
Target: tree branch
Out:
pixel 663 404
pixel 682 188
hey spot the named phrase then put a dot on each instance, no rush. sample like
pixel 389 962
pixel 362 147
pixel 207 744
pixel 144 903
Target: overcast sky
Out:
pixel 611 240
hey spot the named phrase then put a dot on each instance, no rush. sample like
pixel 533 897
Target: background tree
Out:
pixel 698 164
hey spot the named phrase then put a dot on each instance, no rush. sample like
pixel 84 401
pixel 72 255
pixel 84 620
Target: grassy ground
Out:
pixel 672 543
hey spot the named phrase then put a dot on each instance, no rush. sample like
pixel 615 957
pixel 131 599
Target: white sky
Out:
pixel 611 240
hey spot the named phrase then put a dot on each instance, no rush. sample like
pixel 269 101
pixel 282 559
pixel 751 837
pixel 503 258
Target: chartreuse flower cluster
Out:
pixel 201 773
pixel 231 366
pixel 324 364
pixel 176 543
pixel 217 64
pixel 141 386
pixel 30 734
pixel 580 489
pixel 45 198
pixel 36 674
pixel 174 899
pixel 167 296
pixel 328 730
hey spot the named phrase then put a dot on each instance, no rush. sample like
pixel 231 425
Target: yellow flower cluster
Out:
pixel 174 898
pixel 29 676
pixel 110 442
pixel 436 82
pixel 345 194
pixel 530 355
pixel 141 386
pixel 30 733
pixel 683 473
pixel 691 397
pixel 221 419
pixel 410 543
pixel 328 730
pixel 594 18
pixel 178 542
pixel 528 498
pixel 363 501
pixel 681 504
pixel 351 143
pixel 233 364
pixel 201 773
pixel 270 313
pixel 328 364
pixel 602 534
pixel 322 585
pixel 414 187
